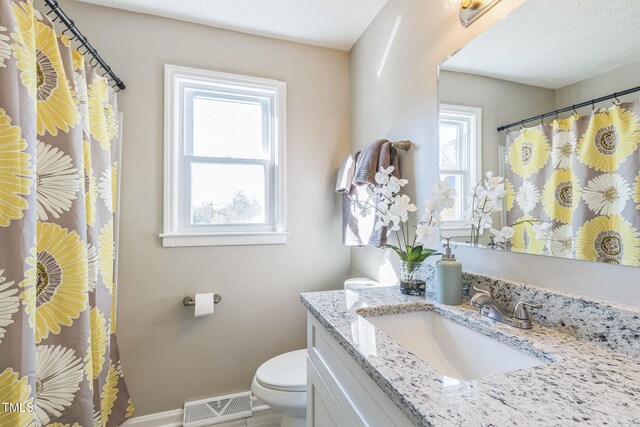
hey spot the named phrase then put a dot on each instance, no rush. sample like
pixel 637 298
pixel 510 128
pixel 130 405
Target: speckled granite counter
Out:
pixel 583 383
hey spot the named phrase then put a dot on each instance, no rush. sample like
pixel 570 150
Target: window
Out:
pixel 460 130
pixel 224 159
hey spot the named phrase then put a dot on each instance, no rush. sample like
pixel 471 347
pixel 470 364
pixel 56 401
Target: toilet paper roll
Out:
pixel 204 305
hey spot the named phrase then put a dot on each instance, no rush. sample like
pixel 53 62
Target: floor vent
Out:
pixel 217 410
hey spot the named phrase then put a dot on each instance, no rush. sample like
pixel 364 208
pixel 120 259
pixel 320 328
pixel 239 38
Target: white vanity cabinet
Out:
pixel 339 392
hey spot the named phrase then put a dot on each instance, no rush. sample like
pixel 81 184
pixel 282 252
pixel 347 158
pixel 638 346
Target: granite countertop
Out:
pixel 583 382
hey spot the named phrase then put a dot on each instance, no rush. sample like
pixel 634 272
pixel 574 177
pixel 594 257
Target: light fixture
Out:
pixel 471 10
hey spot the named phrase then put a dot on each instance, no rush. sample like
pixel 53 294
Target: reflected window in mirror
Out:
pixel 460 148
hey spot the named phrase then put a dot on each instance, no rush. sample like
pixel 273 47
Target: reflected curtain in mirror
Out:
pixel 58 172
pixel 573 187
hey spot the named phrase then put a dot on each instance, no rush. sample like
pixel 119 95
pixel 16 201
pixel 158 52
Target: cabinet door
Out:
pixel 322 408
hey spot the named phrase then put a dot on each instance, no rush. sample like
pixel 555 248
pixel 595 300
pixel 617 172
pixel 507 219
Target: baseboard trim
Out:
pixel 159 419
pixel 174 418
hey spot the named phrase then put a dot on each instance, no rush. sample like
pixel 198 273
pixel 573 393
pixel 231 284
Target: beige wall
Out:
pixel 394 95
pixel 167 355
pixel 605 84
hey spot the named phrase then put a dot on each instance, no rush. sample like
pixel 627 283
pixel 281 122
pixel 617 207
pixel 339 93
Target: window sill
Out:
pixel 456 231
pixel 224 239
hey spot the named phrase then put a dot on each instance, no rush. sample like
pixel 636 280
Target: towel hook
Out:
pixel 402 145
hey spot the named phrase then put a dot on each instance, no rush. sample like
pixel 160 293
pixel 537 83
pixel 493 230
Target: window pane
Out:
pixel 227 194
pixel 224 128
pixel 456 212
pixel 449 145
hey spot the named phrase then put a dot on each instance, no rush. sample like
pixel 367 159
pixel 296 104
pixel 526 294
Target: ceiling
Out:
pixel 330 23
pixel 555 43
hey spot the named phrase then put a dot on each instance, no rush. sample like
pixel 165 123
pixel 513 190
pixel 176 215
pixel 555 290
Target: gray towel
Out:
pixel 387 156
pixel 368 164
pixel 358 229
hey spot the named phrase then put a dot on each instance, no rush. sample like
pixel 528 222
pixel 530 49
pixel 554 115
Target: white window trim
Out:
pixel 455 228
pixel 171 236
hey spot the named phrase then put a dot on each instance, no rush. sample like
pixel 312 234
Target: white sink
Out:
pixel 452 349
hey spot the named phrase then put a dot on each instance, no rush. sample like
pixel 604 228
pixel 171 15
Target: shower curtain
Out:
pixel 573 186
pixel 59 361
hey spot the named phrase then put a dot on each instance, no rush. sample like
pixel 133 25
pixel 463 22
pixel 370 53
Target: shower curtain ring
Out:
pixel 617 101
pixel 573 108
pixel 593 106
pixel 557 116
pixel 522 124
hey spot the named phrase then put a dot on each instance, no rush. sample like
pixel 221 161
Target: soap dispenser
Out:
pixel 449 278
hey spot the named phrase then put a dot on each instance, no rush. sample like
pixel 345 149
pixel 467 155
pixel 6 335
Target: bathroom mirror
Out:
pixel 569 152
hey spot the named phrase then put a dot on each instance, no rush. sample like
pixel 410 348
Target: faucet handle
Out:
pixel 481 291
pixel 520 310
pixel 480 297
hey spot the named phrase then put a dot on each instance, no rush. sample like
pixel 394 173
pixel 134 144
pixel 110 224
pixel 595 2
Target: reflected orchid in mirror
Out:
pixel 501 237
pixel 541 229
pixel 444 197
pixel 486 198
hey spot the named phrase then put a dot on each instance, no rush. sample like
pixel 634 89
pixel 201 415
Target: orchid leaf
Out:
pixel 402 254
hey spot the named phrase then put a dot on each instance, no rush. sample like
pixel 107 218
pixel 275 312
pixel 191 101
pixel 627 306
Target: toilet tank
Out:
pixel 361 283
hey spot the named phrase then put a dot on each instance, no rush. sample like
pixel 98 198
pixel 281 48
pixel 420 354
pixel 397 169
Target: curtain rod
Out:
pixel 572 108
pixel 53 5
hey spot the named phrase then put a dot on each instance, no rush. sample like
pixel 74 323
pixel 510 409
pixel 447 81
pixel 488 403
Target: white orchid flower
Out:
pixel 448 203
pixel 442 190
pixel 405 203
pixel 496 181
pixel 382 177
pixel 502 235
pixel 392 186
pixel 494 204
pixel 370 191
pixel 484 221
pixel 499 190
pixel 399 182
pixel 541 229
pixel 426 235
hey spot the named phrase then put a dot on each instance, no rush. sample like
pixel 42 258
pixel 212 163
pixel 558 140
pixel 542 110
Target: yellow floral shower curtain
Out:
pixel 573 187
pixel 59 362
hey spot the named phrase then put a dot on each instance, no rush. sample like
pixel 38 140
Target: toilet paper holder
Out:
pixel 188 301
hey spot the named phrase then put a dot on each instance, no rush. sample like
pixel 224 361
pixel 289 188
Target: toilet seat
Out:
pixel 286 372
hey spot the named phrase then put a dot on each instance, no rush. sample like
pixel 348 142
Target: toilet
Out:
pixel 281 382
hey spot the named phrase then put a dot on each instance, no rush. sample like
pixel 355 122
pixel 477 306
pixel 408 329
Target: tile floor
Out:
pixel 266 418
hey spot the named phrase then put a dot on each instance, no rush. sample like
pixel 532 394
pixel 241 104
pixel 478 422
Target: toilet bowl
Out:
pixel 281 382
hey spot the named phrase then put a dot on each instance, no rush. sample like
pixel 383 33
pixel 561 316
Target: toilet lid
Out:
pixel 287 372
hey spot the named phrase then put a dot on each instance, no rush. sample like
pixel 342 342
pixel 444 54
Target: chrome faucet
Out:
pixel 490 308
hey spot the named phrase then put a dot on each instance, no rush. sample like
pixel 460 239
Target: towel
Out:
pixel 346 172
pixel 358 228
pixel 368 164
